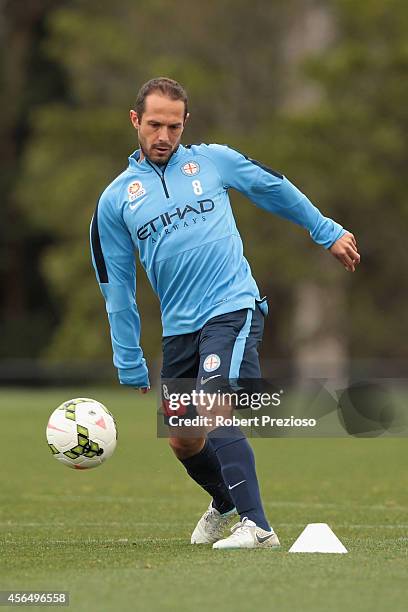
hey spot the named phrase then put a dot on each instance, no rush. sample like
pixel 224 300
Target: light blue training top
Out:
pixel 179 218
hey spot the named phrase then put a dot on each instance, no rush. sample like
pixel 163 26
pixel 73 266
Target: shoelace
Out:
pixel 208 517
pixel 239 527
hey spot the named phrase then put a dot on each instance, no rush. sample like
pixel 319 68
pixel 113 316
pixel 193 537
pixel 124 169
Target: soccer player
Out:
pixel 171 204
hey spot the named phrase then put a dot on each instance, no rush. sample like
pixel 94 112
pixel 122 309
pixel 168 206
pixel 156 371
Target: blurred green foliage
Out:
pixel 350 150
pixel 344 146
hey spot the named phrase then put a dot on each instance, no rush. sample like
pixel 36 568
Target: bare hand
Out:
pixel 345 250
pixel 144 390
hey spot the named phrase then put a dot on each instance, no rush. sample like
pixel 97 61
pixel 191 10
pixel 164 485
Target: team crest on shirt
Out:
pixel 190 168
pixel 211 363
pixel 135 190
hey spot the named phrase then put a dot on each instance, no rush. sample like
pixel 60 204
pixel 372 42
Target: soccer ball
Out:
pixel 81 433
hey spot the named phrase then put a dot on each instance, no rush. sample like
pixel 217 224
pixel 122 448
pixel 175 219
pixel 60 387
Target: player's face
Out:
pixel 160 127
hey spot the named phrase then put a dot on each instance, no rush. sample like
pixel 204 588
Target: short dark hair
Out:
pixel 167 87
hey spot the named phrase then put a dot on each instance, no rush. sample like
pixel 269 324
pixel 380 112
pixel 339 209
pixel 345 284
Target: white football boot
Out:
pixel 211 526
pixel 247 535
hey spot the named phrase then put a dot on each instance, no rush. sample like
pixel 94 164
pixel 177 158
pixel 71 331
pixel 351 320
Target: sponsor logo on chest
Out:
pixel 185 217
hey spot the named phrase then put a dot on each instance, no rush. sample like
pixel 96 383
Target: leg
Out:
pixel 232 340
pixel 201 463
pixel 184 448
pixel 181 361
pixel 237 462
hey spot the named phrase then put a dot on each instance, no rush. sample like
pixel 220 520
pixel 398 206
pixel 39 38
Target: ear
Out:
pixel 186 119
pixel 134 119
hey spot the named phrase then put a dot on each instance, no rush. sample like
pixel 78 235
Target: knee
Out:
pixel 186 447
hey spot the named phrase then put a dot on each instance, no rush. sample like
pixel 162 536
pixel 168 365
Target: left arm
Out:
pixel 275 193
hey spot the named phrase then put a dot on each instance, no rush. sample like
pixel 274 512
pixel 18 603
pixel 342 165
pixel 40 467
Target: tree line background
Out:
pixel 316 90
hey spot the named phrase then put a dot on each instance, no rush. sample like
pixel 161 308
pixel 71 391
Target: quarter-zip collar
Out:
pixel 148 166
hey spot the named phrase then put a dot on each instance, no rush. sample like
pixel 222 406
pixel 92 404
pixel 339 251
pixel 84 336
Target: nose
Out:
pixel 164 133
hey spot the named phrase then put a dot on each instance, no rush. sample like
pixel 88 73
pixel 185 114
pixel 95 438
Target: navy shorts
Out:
pixel 222 353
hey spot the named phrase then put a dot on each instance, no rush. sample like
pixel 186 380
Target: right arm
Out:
pixel 113 257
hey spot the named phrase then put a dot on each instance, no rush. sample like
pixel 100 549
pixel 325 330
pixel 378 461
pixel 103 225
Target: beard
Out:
pixel 157 156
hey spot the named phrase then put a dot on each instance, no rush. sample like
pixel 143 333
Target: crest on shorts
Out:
pixel 190 168
pixel 135 190
pixel 212 363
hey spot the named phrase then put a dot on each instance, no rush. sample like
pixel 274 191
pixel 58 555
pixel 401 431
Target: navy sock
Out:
pixel 238 470
pixel 205 469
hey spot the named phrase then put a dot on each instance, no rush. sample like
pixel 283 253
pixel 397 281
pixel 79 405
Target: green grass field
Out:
pixel 118 537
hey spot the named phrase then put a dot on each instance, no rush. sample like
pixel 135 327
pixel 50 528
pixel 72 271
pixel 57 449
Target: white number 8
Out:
pixel 198 190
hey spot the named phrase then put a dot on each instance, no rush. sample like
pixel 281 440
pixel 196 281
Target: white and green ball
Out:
pixel 81 433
